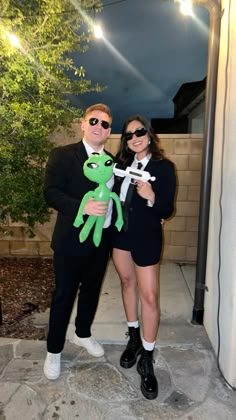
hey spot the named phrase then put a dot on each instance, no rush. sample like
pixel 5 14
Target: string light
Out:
pixel 98 33
pixel 185 7
pixel 14 40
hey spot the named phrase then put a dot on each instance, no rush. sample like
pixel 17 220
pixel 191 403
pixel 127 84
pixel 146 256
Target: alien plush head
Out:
pixel 98 168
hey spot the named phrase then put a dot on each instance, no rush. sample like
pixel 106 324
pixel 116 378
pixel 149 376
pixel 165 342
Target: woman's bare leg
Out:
pixel 149 294
pixel 125 268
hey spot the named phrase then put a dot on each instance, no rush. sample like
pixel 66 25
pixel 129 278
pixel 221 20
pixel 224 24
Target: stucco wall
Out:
pixel 220 299
pixel 180 232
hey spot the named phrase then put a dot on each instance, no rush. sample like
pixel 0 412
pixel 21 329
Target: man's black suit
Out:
pixel 76 265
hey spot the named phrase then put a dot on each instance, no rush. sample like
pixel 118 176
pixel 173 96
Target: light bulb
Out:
pixel 98 31
pixel 186 7
pixel 14 40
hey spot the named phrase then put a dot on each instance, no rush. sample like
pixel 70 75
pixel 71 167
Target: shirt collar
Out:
pixel 144 161
pixel 90 150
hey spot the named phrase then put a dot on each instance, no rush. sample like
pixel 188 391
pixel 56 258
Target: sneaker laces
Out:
pixel 92 340
pixel 54 358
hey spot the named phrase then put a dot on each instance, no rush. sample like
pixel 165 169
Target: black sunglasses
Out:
pixel 95 121
pixel 140 132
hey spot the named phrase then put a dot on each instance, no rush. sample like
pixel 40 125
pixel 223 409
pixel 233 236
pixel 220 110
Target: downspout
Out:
pixel 207 159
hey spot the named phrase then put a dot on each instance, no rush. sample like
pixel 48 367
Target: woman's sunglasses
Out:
pixel 95 121
pixel 140 132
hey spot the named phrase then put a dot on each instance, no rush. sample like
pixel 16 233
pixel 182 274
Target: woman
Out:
pixel 137 248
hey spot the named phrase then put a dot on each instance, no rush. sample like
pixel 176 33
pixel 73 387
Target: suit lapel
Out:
pixel 81 153
pixel 151 166
pixel 82 156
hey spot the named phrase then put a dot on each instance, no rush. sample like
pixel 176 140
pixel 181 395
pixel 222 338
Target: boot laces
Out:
pixel 147 364
pixel 134 339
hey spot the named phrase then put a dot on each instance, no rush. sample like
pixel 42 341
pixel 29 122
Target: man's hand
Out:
pixel 95 208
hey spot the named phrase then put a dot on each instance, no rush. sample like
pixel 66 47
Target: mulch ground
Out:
pixel 26 286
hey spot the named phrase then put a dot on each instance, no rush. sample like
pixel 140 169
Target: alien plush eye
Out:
pixel 92 165
pixel 109 162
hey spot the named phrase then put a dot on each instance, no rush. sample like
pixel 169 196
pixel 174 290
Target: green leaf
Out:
pixel 36 81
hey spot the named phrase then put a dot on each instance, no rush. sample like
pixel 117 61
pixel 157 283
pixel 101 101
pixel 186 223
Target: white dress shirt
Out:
pixel 127 180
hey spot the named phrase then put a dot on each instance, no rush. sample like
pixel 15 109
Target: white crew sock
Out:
pixel 134 324
pixel 148 346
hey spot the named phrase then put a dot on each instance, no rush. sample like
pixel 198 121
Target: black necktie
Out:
pixel 128 199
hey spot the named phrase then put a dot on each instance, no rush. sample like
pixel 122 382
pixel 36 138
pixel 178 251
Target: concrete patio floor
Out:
pixel 190 386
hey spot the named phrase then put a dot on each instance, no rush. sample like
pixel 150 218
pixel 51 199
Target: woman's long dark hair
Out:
pixel 125 155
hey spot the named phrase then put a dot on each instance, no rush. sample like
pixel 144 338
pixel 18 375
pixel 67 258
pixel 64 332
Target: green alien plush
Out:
pixel 98 168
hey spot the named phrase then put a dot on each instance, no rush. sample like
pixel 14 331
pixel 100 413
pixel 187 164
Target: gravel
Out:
pixel 26 286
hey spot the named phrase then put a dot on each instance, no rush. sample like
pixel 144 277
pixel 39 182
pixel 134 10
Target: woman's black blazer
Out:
pixel 144 235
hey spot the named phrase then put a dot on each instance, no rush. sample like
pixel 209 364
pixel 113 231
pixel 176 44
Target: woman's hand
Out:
pixel 144 189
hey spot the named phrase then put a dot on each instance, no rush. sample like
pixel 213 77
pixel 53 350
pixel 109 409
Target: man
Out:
pixel 76 265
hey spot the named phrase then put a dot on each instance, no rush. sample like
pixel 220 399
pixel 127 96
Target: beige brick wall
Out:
pixel 180 232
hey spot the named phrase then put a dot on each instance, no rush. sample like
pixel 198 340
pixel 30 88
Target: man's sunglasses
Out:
pixel 140 132
pixel 95 121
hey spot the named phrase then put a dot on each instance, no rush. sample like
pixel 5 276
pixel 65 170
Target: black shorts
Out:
pixel 141 254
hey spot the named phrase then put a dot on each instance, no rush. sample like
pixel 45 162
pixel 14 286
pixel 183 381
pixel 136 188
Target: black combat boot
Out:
pixel 149 385
pixel 133 348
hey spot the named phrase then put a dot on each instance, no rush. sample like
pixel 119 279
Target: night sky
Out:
pixel 149 50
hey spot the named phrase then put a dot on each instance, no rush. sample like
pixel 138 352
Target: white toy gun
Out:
pixel 136 174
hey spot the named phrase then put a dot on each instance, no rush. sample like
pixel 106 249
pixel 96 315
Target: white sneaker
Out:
pixel 52 365
pixel 90 344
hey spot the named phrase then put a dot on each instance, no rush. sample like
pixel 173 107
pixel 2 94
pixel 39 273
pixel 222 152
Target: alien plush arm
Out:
pixel 119 221
pixel 79 220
